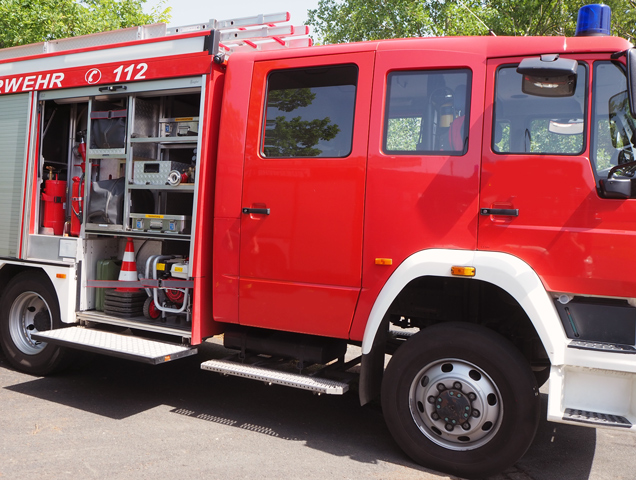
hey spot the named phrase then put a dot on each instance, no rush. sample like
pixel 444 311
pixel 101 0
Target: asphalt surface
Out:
pixel 113 419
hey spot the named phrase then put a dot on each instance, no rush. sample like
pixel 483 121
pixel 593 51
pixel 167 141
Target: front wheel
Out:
pixel 461 399
pixel 29 305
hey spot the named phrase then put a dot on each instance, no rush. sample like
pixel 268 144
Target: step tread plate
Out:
pixel 606 419
pixel 318 385
pixel 602 346
pixel 117 345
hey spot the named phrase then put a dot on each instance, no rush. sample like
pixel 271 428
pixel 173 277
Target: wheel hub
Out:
pixel 42 321
pixel 453 407
pixel 29 313
pixel 455 404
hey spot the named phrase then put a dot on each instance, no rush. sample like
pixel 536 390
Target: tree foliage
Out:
pixel 31 21
pixel 337 21
pixel 295 137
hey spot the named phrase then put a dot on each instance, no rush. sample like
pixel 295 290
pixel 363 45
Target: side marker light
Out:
pixel 384 261
pixel 463 271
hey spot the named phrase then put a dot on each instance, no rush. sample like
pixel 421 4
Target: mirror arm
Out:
pixel 618 167
pixel 617 55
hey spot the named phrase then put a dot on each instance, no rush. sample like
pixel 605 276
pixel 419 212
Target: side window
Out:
pixel 309 112
pixel 427 112
pixel 533 124
pixel 613 127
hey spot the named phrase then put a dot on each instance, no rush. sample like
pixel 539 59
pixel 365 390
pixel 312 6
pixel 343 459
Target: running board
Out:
pixel 602 346
pixel 595 418
pixel 115 345
pixel 267 375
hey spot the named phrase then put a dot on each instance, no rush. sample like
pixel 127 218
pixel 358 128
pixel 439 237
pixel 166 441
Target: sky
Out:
pixel 186 12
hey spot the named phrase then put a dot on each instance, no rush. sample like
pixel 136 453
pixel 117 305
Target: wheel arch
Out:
pixel 503 271
pixel 7 272
pixel 61 279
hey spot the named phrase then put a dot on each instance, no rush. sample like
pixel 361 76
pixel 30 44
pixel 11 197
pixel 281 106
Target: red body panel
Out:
pixel 308 251
pixel 227 206
pixel 32 222
pixel 202 320
pixel 98 74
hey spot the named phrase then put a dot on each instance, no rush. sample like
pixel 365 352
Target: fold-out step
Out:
pixel 317 385
pixel 599 419
pixel 115 345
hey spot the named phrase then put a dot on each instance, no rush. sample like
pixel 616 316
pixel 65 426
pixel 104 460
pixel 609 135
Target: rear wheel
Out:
pixel 29 305
pixel 461 399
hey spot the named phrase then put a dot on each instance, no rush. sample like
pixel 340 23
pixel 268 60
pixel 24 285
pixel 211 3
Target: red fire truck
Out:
pixel 462 205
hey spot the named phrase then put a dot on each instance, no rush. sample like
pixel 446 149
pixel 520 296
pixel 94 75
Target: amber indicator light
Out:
pixel 463 271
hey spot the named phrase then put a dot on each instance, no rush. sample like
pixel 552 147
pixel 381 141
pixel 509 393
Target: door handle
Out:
pixel 257 211
pixel 508 212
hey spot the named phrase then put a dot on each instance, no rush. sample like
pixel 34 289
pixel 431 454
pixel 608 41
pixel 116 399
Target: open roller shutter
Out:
pixel 14 116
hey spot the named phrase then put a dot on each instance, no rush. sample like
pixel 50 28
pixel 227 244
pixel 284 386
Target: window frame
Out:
pixel 585 113
pixel 386 119
pixel 352 65
pixel 593 124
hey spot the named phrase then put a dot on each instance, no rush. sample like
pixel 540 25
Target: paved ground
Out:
pixel 114 419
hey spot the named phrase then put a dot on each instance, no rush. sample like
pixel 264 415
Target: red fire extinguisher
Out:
pixel 54 197
pixel 77 192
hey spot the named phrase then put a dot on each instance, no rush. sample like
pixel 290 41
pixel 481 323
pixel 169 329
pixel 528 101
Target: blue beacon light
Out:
pixel 593 21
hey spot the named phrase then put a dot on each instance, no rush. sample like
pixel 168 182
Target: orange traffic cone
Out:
pixel 128 272
pixel 126 301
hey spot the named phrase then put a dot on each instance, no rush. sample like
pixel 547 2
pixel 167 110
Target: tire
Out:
pixel 460 399
pixel 151 311
pixel 29 304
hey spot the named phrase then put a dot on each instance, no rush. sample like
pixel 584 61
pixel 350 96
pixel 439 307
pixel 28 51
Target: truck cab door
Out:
pixel 303 193
pixel 424 155
pixel 544 168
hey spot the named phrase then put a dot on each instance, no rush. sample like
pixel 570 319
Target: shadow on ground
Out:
pixel 118 389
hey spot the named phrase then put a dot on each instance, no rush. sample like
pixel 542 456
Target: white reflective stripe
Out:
pixel 127 276
pixel 129 257
pixel 506 271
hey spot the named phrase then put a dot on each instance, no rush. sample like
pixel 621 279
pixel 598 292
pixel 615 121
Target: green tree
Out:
pixel 337 21
pixel 31 21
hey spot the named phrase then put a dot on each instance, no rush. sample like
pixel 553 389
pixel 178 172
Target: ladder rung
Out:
pixel 255 20
pixel 267 44
pixel 260 32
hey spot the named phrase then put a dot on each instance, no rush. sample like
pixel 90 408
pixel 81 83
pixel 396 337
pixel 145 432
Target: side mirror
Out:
pixel 631 80
pixel 548 76
pixel 617 188
pixel 620 188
